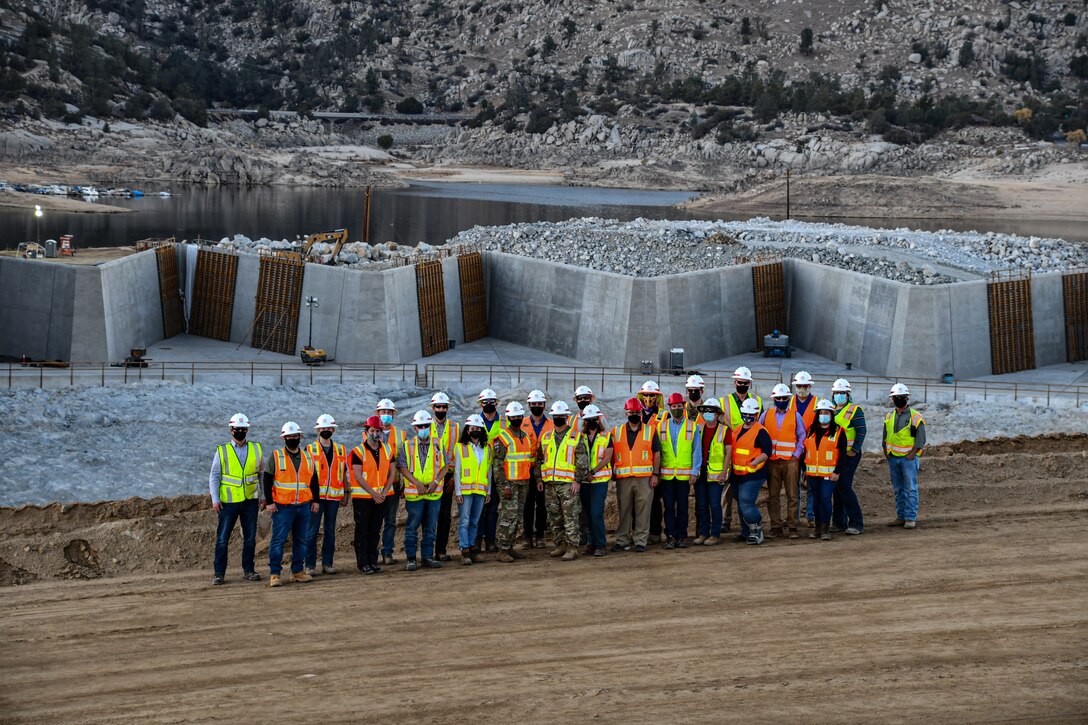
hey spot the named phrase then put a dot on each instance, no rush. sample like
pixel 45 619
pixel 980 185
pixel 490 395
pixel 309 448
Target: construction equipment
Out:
pixel 28 362
pixel 67 249
pixel 313 356
pixel 340 236
pixel 777 345
pixel 135 359
pixel 31 250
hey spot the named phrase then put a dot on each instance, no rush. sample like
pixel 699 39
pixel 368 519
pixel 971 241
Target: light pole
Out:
pixel 311 303
pixel 38 222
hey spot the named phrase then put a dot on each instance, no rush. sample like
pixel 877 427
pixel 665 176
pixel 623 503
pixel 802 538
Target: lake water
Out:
pixel 427 211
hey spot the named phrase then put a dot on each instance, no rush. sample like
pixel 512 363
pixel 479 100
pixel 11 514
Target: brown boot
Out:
pixel 558 551
pixel 474 554
pixel 466 557
pixel 570 555
pixel 506 556
pixel 515 553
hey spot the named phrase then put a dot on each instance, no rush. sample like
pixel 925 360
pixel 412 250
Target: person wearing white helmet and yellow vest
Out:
pixel 846 512
pixel 493 425
pixel 512 466
pixel 472 482
pixel 903 439
pixel 825 456
pixel 291 490
pixel 422 466
pixel 535 521
pixel 681 461
pixel 564 468
pixel 583 397
pixel 445 433
pixel 331 461
pixel 695 387
pixel 598 448
pixel 717 443
pixel 787 431
pixel 742 391
pixel 385 410
pixel 751 449
pixel 653 413
pixel 235 487
pixel 372 468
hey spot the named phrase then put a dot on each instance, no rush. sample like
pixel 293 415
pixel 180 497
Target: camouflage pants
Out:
pixel 510 512
pixel 564 509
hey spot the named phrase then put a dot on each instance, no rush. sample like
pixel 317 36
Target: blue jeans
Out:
pixel 468 519
pixel 421 513
pixel 747 493
pixel 593 496
pixel 293 519
pixel 229 514
pixel 905 485
pixel 326 513
pixel 675 496
pixel 846 510
pixel 708 508
pixel 821 489
pixel 389 528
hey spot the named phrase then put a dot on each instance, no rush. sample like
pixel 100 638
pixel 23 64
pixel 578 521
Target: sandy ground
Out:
pixel 977 615
pixel 49 202
pixel 476 174
pixel 89 256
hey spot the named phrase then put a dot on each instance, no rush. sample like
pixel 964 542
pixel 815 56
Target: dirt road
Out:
pixel 978 615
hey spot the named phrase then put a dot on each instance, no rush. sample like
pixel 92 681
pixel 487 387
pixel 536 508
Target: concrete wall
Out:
pixel 130 291
pixel 451 286
pixel 245 298
pixel 1048 319
pixel 36 308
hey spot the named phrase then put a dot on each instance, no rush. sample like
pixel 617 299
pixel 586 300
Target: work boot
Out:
pixel 793 534
pixel 775 532
pixel 301 577
pixel 909 525
pixel 506 556
pixel 712 541
pixel 699 540
pixel 681 543
pixel 411 565
pixel 217 580
pixel 853 531
pixel 571 555
pixel 312 572
pixel 466 557
pixel 825 532
pixel 815 533
pixel 670 543
pixel 328 569
pixel 251 576
pixel 444 557
pixel 600 552
pixel 558 551
pixel 387 560
pixel 274 581
pixel 474 554
pixel 516 554
pixel 896 522
pixel 434 564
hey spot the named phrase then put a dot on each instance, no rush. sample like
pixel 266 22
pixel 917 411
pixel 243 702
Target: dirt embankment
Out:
pixel 48 202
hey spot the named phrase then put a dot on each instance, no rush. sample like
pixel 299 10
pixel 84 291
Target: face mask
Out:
pixel 899 401
pixel 803 391
pixel 582 404
pixel 748 418
pixel 559 420
pixel 742 387
pixel 590 424
pixel 694 395
pixel 782 404
pixel 239 434
pixel 489 408
pixel 839 398
pixel 825 418
pixel 373 437
pixel 477 436
pixel 649 402
pixel 440 414
pixel 292 443
pixel 537 410
pixel 514 423
pixel 423 433
pixel 710 417
pixel 634 418
pixel 676 413
pixel 326 434
pixel 387 420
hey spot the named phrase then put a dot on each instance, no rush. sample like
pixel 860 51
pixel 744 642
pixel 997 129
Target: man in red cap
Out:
pixel 681 459
pixel 637 450
pixel 371 467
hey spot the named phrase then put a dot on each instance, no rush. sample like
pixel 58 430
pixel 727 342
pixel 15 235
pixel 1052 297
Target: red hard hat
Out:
pixel 373 422
pixel 676 398
pixel 633 405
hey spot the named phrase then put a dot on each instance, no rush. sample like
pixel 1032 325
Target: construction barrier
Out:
pixel 431 297
pixel 279 296
pixel 473 300
pixel 173 318
pixel 1075 295
pixel 769 293
pixel 1012 336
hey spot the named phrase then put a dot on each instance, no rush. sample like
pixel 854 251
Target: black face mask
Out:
pixel 634 418
pixel 514 423
pixel 582 404
pixel 489 408
pixel 900 401
pixel 559 420
pixel 742 387
pixel 326 434
pixel 440 414
pixel 477 436
pixel 537 410
pixel 694 395
pixel 292 443
pixel 590 424
pixel 239 434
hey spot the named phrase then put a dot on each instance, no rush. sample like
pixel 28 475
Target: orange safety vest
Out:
pixel 519 455
pixel 330 478
pixel 374 474
pixel 291 485
pixel 637 462
pixel 809 416
pixel 820 462
pixel 784 438
pixel 396 439
pixel 527 426
pixel 744 447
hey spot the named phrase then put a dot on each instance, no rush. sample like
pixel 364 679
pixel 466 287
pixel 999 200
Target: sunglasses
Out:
pixel 441 407
pixel 583 399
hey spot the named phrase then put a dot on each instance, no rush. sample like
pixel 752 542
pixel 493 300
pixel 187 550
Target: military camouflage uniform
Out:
pixel 510 509
pixel 565 506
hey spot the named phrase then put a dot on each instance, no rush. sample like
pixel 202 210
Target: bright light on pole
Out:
pixel 38 222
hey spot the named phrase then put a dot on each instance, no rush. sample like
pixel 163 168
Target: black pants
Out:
pixel 657 510
pixel 445 513
pixel 489 523
pixel 368 525
pixel 536 515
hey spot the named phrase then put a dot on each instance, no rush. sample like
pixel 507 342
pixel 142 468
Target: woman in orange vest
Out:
pixel 291 490
pixel 752 447
pixel 330 461
pixel 372 473
pixel 825 458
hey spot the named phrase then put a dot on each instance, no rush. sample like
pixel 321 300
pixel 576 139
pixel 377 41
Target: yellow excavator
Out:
pixel 340 236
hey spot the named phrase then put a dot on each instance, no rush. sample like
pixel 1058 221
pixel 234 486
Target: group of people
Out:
pixel 553 465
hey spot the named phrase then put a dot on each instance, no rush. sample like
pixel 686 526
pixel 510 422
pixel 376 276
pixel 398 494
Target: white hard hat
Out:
pixel 325 421
pixel 825 405
pixel 475 419
pixel 582 390
pixel 899 389
pixel 712 403
pixel 591 411
pixel 536 396
pixel 650 388
pixel 422 417
pixel 290 428
pixel 515 409
pixel 781 390
pixel 239 420
pixel 802 378
pixel 742 374
pixel 385 404
pixel 694 381
pixel 749 406
pixel 487 394
pixel 440 398
pixel 842 385
pixel 560 407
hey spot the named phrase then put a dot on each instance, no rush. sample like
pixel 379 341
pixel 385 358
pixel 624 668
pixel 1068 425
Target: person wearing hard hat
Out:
pixel 825 457
pixel 598 450
pixel 752 447
pixel 237 496
pixel 653 404
pixel 637 451
pixel 493 425
pixel 787 431
pixel 803 402
pixel 535 521
pixel 445 433
pixel 331 461
pixel 372 467
pixel 583 397
pixel 472 482
pixel 564 468
pixel 511 471
pixel 395 438
pixel 717 448
pixel 903 439
pixel 291 489
pixel 681 461
pixel 422 466
pixel 742 390
pixel 695 387
pixel 846 512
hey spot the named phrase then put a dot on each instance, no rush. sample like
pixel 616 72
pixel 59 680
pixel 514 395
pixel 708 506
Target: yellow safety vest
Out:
pixel 238 483
pixel 422 471
pixel 843 418
pixel 734 408
pixel 900 443
pixel 450 435
pixel 677 465
pixel 558 466
pixel 596 453
pixel 473 470
pixel 495 430
pixel 715 457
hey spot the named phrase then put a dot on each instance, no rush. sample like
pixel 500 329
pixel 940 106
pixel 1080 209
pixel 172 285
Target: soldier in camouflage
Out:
pixel 511 470
pixel 564 467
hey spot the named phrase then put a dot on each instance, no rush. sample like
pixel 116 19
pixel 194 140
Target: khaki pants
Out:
pixel 782 476
pixel 633 495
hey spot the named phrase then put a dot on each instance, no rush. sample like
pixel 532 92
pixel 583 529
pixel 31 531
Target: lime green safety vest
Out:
pixel 901 442
pixel 677 465
pixel 473 472
pixel 715 457
pixel 732 407
pixel 422 471
pixel 843 418
pixel 238 483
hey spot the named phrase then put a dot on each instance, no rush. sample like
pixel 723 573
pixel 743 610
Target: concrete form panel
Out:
pixel 1048 315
